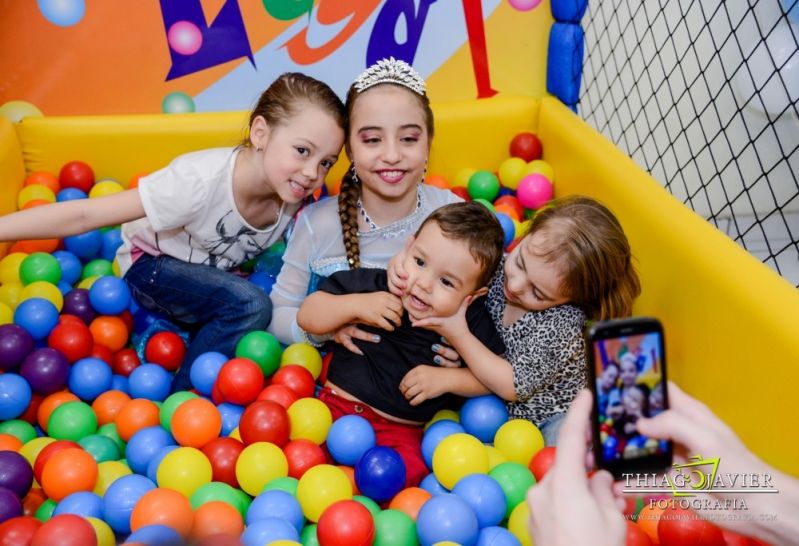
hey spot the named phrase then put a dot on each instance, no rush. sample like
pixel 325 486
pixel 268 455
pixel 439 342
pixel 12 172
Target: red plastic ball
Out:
pixel 511 201
pixel 681 527
pixel 297 378
pixel 125 361
pixel 76 174
pixel 72 338
pixel 346 523
pixel 265 421
pixel 301 455
pixel 240 380
pixel 18 531
pixel 32 411
pixel 280 394
pixel 103 353
pixel 48 451
pixel 461 192
pixel 636 536
pixel 223 454
pixel 33 500
pixel 165 349
pixel 541 462
pixel 65 530
pixel 526 146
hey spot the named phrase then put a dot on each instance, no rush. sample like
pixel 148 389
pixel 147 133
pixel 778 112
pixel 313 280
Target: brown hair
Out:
pixel 351 186
pixel 284 98
pixel 473 224
pixel 587 240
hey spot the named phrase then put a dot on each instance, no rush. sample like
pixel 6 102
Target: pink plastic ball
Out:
pixel 534 191
pixel 524 5
pixel 185 38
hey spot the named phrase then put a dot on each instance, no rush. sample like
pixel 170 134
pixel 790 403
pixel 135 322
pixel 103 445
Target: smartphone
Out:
pixel 627 374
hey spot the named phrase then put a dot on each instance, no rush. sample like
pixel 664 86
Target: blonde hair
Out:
pixel 589 244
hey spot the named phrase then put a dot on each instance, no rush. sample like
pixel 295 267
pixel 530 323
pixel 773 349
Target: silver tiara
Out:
pixel 390 70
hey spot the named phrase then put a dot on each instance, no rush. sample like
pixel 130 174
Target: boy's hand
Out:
pixel 345 335
pixel 397 276
pixel 451 327
pixel 423 383
pixel 380 309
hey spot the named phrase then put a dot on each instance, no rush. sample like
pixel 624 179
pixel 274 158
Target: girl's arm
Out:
pixel 71 217
pixel 322 312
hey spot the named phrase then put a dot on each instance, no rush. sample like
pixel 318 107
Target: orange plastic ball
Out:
pixel 30 246
pixel 163 506
pixel 410 501
pixel 648 519
pixel 196 422
pixel 9 443
pixel 45 179
pixel 69 471
pixel 109 331
pixel 217 518
pixel 509 210
pixel 108 405
pixel 438 181
pixel 136 415
pixel 350 472
pixel 50 403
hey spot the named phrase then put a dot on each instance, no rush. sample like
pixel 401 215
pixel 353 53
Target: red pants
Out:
pixel 405 439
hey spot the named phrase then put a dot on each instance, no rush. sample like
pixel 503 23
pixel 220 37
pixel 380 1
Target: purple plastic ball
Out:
pixel 46 370
pixel 77 303
pixel 10 505
pixel 16 473
pixel 15 344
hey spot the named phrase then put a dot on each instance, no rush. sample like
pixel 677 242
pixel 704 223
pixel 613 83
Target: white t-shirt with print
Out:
pixel 191 215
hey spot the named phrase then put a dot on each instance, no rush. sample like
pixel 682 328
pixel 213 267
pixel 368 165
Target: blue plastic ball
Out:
pixel 71 267
pixel 82 503
pixel 112 240
pixel 85 245
pixel 485 496
pixel 231 415
pixel 15 396
pixel 507 227
pixel 109 295
pixel 268 530
pixel 482 416
pixel 446 518
pixel 149 381
pixel 38 316
pixel 64 287
pixel 89 378
pixel 70 194
pixel 432 485
pixel 276 503
pixel 433 436
pixel 143 446
pixel 496 536
pixel 152 465
pixel 120 383
pixel 120 498
pixel 156 535
pixel 349 438
pixel 263 280
pixel 380 473
pixel 205 369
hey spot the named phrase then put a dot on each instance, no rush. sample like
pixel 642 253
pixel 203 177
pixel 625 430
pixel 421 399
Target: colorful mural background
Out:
pixel 76 57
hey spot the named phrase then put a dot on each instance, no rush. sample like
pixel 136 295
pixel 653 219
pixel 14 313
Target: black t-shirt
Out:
pixel 375 377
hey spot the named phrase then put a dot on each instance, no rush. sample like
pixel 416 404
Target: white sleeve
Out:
pixel 173 196
pixel 291 285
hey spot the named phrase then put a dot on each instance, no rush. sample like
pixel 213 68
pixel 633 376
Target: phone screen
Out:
pixel 629 383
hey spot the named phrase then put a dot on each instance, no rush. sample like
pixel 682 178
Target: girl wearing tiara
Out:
pixel 382 201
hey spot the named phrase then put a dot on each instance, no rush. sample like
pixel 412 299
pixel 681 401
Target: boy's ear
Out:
pixel 477 293
pixel 259 132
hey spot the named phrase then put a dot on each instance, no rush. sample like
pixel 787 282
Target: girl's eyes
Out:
pixel 302 150
pixel 327 164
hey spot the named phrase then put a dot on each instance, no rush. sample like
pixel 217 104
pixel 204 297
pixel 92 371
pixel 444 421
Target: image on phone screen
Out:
pixel 629 385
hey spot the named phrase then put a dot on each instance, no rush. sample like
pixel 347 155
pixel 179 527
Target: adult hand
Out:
pixel 344 336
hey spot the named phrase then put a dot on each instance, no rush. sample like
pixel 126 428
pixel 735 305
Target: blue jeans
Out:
pixel 217 306
pixel 550 429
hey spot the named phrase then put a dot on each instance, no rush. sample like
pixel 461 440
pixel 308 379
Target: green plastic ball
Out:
pixel 97 268
pixel 483 185
pixel 100 447
pixel 45 510
pixel 514 479
pixel 262 348
pixel 286 483
pixel 394 528
pixel 22 430
pixel 110 430
pixel 487 204
pixel 39 266
pixel 72 421
pixel 219 491
pixel 370 505
pixel 170 405
pixel 308 536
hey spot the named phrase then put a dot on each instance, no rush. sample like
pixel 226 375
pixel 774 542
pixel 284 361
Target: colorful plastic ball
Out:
pixel 196 422
pixel 119 499
pixel 100 447
pixel 76 174
pixel 542 462
pixel 223 453
pixel 185 38
pixel 44 178
pixel 496 536
pixel 350 437
pixel 519 440
pixel 514 479
pixel 508 227
pixel 109 295
pixel 15 344
pixel 37 316
pixel 485 496
pixel 105 187
pixel 456 456
pixel 69 266
pixel 262 348
pixel 240 381
pixel 89 378
pixel 525 146
pixel 36 192
pixel 205 371
pixel 410 500
pixel 380 473
pixel 144 445
pixel 534 191
pixel 15 395
pixel 71 339
pixel 76 303
pixel 165 349
pixel 39 267
pixel 112 240
pixel 539 166
pixel 33 501
pixel 462 177
pixel 97 267
pixel 320 487
pixel 136 415
pixel 108 405
pixel 68 471
pixel 231 417
pixel 162 506
pixel 46 370
pixel 72 421
pixel 18 531
pixel 305 355
pixel 511 171
pixel 268 531
pixel 84 245
pixel 9 443
pixel 297 378
pixel 679 526
pixel 395 528
pixel 10 295
pixel 216 518
pixel 258 464
pixel 43 290
pixel 176 102
pixel 185 470
pixel 346 523
pixel 21 430
pixel 518 524
pixel 446 518
pixel 265 421
pixel 160 535
pixel 433 436
pixel 302 455
pixel 65 530
pixel 82 503
pixel 278 504
pixel 483 185
pixel 125 361
pixel 171 404
pixel 217 491
pixel 482 416
pixel 16 473
pixel 281 394
pixel 310 419
pixel 150 381
pixel 9 267
pixel 70 194
pixel 45 510
pixel 109 331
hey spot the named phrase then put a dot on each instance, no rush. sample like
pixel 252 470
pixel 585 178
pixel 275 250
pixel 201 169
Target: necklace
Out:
pixel 370 222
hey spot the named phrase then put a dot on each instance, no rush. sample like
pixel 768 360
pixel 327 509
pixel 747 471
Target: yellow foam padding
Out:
pixel 730 321
pixel 12 171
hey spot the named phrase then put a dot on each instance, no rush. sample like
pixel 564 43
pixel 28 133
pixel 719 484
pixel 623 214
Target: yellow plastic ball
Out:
pixel 310 420
pixel 258 464
pixel 16 110
pixel 321 486
pixel 284 542
pixel 452 415
pixel 185 470
pixel 30 450
pixel 105 536
pixel 511 172
pixel 539 166
pixel 115 268
pixel 105 187
pixel 459 455
pixel 517 523
pixel 10 294
pixel 87 282
pixel 520 228
pixel 44 290
pixel 107 473
pixel 495 457
pixel 519 440
pixel 9 267
pixel 305 355
pixel 35 191
pixel 462 177
pixel 236 433
pixel 6 314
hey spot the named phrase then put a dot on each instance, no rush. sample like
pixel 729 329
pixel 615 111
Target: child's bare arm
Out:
pixel 71 217
pixel 426 382
pixel 322 312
